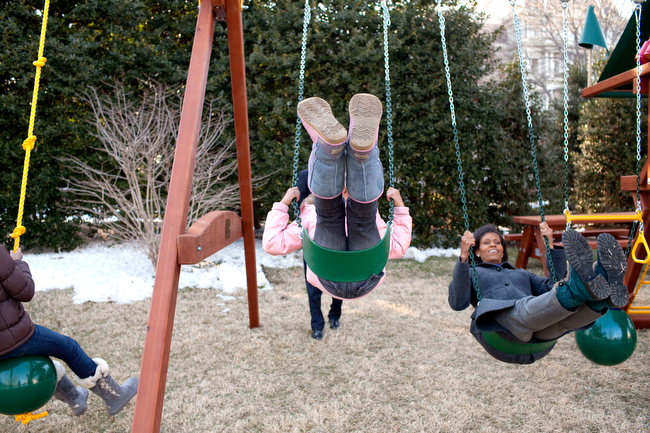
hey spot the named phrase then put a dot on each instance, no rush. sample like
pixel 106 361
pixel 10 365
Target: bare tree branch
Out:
pixel 128 195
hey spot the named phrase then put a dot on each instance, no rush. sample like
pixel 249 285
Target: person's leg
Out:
pixel 582 317
pixel 330 223
pixel 314 294
pixel 612 265
pixel 365 177
pixel 583 284
pixel 335 313
pixel 532 314
pixel 362 225
pixel 75 397
pixel 49 343
pixel 92 373
pixel 327 161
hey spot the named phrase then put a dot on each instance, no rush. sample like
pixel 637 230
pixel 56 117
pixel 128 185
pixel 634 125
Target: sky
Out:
pixel 111 272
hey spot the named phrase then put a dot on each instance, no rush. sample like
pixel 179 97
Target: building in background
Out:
pixel 542 39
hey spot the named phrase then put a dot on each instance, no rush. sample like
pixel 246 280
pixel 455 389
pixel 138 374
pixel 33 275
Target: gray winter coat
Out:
pixel 16 287
pixel 500 287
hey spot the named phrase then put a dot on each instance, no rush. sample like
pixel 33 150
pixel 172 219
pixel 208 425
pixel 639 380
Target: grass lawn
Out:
pixel 402 361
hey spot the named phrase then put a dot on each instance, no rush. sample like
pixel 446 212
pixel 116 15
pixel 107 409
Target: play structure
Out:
pixel 216 230
pixel 624 77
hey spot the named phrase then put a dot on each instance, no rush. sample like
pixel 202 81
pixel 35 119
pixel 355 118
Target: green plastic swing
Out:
pixel 346 266
pixel 495 340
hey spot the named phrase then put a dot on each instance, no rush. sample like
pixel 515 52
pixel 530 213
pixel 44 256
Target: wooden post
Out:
pixel 240 108
pixel 155 360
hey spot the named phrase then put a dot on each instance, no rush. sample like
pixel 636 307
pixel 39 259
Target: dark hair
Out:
pixel 482 231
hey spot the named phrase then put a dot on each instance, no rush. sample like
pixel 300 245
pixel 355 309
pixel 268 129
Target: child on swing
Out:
pixel 19 336
pixel 346 178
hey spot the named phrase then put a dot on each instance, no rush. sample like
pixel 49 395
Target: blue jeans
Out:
pixel 362 233
pixel 49 343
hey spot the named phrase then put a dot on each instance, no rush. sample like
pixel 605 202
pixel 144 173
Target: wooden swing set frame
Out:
pixel 213 231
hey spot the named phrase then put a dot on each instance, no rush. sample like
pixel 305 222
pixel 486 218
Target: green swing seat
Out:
pixel 513 348
pixel 345 266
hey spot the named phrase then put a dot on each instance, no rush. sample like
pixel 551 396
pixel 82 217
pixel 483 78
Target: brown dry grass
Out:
pixel 402 361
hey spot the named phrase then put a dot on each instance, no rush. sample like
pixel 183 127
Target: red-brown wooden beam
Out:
pixel 211 233
pixel 240 108
pixel 155 360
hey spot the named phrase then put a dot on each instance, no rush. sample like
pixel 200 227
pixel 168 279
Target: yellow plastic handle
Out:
pixel 637 216
pixel 640 239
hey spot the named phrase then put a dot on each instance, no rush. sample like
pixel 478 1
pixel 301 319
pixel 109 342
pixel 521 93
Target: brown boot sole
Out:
pixel 317 114
pixel 365 115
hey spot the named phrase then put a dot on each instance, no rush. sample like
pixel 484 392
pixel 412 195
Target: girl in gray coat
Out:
pixel 526 308
pixel 19 336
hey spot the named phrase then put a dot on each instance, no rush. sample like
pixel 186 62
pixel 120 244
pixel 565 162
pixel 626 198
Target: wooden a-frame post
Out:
pixel 155 360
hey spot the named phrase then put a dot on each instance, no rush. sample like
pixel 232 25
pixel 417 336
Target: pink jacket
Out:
pixel 281 238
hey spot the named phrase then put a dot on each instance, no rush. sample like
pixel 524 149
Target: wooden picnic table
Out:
pixel 531 242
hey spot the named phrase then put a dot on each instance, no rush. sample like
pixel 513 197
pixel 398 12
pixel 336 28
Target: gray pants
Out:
pixel 544 318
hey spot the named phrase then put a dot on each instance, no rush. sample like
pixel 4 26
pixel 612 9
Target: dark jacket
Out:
pixel 16 287
pixel 500 287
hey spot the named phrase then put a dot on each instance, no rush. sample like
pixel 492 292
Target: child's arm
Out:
pixel 15 277
pixel 402 226
pixel 279 236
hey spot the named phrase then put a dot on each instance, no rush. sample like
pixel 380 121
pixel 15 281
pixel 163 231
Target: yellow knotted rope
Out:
pixel 28 144
pixel 27 417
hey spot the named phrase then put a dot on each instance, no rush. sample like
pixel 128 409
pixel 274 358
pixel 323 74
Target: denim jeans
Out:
pixel 362 233
pixel 49 343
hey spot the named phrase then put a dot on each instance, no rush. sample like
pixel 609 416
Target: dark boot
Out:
pixel 612 264
pixel 115 396
pixel 65 391
pixel 584 284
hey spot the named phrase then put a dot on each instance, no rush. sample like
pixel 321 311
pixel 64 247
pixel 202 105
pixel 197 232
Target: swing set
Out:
pixel 208 235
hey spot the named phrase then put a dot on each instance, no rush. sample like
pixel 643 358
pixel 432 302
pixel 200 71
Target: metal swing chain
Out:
pixel 565 38
pixel 461 183
pixel 389 111
pixel 301 91
pixel 637 14
pixel 531 135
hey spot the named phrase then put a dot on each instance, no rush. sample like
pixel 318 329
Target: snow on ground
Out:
pixel 120 273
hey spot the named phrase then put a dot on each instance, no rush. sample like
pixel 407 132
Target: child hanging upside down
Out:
pixel 527 308
pixel 19 336
pixel 336 221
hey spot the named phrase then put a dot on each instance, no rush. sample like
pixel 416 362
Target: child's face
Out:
pixel 490 249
